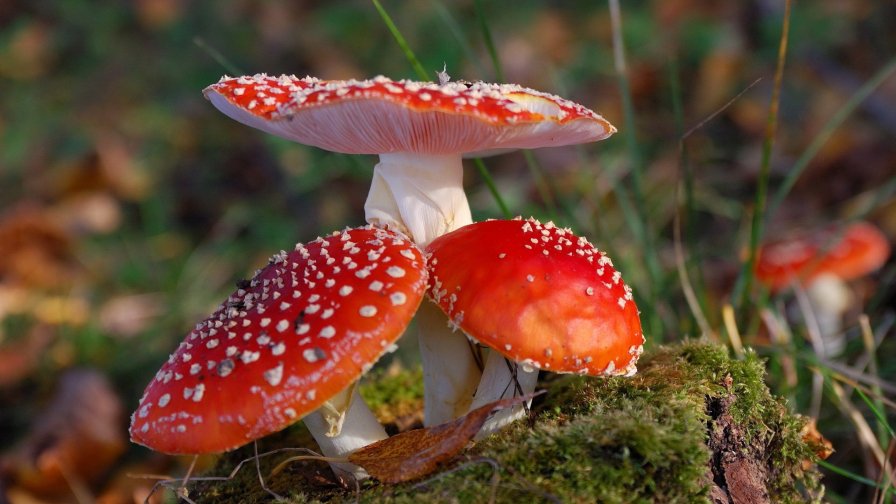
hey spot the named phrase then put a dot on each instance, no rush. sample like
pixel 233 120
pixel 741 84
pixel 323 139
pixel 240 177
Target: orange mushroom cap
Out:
pixel 380 115
pixel 303 329
pixel 847 253
pixel 539 295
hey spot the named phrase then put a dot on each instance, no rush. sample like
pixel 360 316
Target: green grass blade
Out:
pixel 402 43
pixel 490 183
pixel 489 42
pixel 877 409
pixel 745 280
pixel 642 230
pixel 853 476
pixel 825 134
pixel 216 55
pixel 458 33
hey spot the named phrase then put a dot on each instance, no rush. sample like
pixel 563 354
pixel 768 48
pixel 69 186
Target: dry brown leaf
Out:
pixel 416 453
pixel 75 440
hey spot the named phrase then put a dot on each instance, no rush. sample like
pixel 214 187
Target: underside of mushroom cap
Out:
pixel 380 115
pixel 537 294
pixel 303 329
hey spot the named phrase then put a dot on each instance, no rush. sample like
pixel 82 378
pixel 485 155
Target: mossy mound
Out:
pixel 693 426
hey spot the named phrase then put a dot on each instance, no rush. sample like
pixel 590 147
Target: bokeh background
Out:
pixel 129 206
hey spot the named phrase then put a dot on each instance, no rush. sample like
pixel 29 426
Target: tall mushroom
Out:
pixel 291 342
pixel 538 295
pixel 823 262
pixel 420 130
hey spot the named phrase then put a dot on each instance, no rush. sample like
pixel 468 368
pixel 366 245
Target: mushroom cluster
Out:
pixel 292 342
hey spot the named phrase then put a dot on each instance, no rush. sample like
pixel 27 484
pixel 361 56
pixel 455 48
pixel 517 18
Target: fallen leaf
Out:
pixel 74 442
pixel 416 453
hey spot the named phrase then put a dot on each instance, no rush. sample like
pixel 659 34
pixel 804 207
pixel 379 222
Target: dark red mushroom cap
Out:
pixel 379 115
pixel 304 328
pixel 538 294
pixel 847 253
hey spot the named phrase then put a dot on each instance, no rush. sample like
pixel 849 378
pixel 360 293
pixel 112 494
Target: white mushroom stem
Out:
pixel 423 196
pixel 341 426
pixel 418 194
pixel 829 298
pixel 450 374
pixel 497 383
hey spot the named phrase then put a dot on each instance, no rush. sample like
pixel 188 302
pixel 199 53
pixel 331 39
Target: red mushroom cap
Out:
pixel 380 115
pixel 538 294
pixel 847 253
pixel 303 329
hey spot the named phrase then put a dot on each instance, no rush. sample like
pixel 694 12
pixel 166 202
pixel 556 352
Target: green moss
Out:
pixel 670 434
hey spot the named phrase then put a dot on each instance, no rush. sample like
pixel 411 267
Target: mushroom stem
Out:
pixel 829 298
pixel 450 372
pixel 502 379
pixel 421 195
pixel 341 426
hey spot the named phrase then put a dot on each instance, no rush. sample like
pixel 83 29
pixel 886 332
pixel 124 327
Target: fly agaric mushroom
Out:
pixel 291 342
pixel 823 262
pixel 420 130
pixel 538 295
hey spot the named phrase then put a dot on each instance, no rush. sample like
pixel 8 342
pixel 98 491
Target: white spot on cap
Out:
pixel 327 332
pixel 327 313
pixel 278 349
pixel 282 325
pixel 302 329
pixel 530 278
pixel 274 375
pixel 398 298
pixel 265 322
pixel 589 291
pixel 367 311
pixel 376 286
pixel 195 369
pixel 407 253
pixel 395 271
pixel 345 290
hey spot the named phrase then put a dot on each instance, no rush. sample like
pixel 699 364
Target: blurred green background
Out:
pixel 129 206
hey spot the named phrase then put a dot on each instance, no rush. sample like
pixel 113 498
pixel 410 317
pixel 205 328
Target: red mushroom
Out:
pixel 538 295
pixel 292 340
pixel 823 262
pixel 420 130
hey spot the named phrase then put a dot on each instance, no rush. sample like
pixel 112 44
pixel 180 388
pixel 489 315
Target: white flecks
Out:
pixel 313 298
pixel 548 353
pixel 311 394
pixel 502 255
pixel 326 313
pixel 181 428
pixel 274 375
pixel 284 305
pixel 303 328
pixel 589 291
pixel 265 322
pixel 345 290
pixel 530 278
pixel 290 413
pixel 621 302
pixel 186 357
pixel 311 354
pixel 408 254
pixel 507 346
pixel 398 298
pixel 312 308
pixel 195 369
pixel 263 339
pixel 395 271
pixel 376 286
pixel 367 311
pixel 362 273
pixel 282 325
pixel 144 411
pixel 278 349
pixel 327 332
pixel 249 356
pixel 225 367
pixel 212 343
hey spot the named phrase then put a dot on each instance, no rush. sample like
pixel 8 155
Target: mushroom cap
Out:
pixel 538 294
pixel 380 115
pixel 303 329
pixel 847 253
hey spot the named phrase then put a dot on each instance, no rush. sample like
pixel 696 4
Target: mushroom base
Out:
pixel 502 379
pixel 339 433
